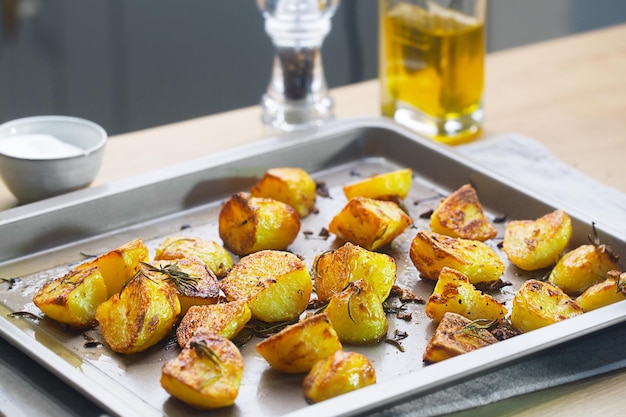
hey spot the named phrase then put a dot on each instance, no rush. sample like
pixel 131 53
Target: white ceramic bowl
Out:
pixel 44 156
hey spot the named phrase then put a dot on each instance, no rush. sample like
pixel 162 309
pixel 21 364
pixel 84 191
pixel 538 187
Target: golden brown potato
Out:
pixel 537 304
pixel 139 316
pixel 582 267
pixel 461 215
pixel 275 284
pixel 454 293
pixel 119 265
pixel 456 335
pixel 603 293
pixel 369 223
pixel 192 280
pixel 207 372
pixel 217 259
pixel 72 299
pixel 225 319
pixel 536 244
pixel 333 270
pixel 298 347
pixel 250 224
pixel 292 186
pixel 393 186
pixel 357 314
pixel 430 252
pixel 338 374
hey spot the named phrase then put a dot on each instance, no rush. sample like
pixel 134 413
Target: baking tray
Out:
pixel 46 239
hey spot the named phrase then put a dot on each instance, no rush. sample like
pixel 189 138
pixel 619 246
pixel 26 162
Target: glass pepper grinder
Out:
pixel 297 96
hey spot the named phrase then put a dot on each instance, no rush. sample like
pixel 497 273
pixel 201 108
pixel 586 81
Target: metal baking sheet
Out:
pixel 46 239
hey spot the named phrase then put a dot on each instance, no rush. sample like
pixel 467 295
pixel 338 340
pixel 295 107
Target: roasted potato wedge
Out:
pixel 225 319
pixel 207 372
pixel 392 186
pixel 298 347
pixel 582 267
pixel 369 223
pixel 338 374
pixel 217 259
pixel 461 215
pixel 454 293
pixel 357 314
pixel 140 315
pixel 119 265
pixel 275 284
pixel 250 224
pixel 603 293
pixel 537 304
pixel 431 251
pixel 536 244
pixel 73 298
pixel 292 186
pixel 456 335
pixel 333 270
pixel 192 280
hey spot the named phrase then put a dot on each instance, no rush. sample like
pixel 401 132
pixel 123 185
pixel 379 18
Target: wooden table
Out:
pixel 569 93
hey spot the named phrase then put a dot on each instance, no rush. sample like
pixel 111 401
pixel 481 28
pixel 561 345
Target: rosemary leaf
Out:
pixel 183 281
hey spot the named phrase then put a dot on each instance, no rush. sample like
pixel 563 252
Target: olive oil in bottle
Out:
pixel 432 69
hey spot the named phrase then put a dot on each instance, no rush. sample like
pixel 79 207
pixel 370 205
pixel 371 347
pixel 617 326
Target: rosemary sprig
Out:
pixel 202 349
pixel 128 281
pixel 390 308
pixel 183 281
pixel 356 291
pixel 25 314
pixel 318 259
pixel 264 329
pixel 398 335
pixel 472 327
pixel 594 237
pixel 10 281
pixel 321 309
pixel 244 336
pixel 620 280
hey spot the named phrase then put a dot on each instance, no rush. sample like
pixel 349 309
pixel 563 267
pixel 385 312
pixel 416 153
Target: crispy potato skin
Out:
pixel 139 316
pixel 201 381
pixel 603 293
pixel 338 374
pixel 536 244
pixel 454 293
pixel 431 251
pixel 391 186
pixel 119 265
pixel 297 347
pixel 292 186
pixel 537 304
pixel 276 285
pixel 357 314
pixel 249 224
pixel 203 286
pixel 217 259
pixel 461 215
pixel 225 319
pixel 369 223
pixel 455 336
pixel 334 269
pixel 73 298
pixel 583 267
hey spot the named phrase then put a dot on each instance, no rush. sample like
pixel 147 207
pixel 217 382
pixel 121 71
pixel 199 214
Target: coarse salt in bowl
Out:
pixel 44 156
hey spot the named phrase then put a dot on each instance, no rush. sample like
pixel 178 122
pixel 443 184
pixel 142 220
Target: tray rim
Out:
pixel 352 403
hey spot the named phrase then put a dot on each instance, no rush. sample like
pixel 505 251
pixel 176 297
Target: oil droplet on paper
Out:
pixel 38 146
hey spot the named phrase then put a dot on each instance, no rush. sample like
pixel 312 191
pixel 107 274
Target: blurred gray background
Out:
pixel 134 64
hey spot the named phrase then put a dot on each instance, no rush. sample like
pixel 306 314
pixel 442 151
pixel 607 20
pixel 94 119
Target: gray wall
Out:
pixel 133 64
